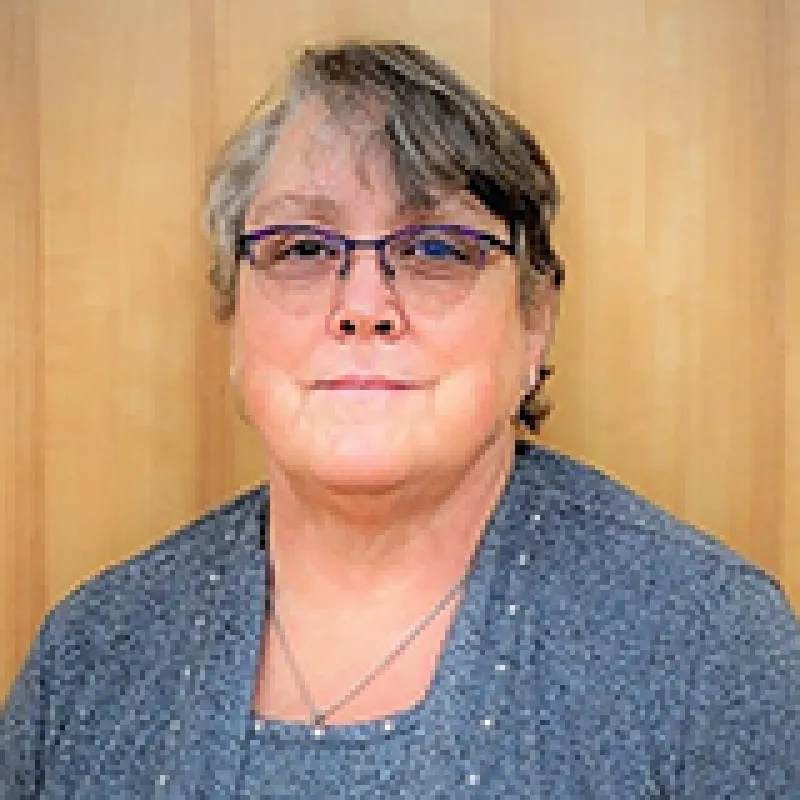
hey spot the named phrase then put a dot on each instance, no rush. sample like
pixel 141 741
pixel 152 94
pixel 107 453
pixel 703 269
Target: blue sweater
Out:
pixel 603 649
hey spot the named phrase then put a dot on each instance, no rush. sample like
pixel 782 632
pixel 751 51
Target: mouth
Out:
pixel 366 384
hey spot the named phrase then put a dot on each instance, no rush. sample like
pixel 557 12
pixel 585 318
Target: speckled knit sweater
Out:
pixel 603 649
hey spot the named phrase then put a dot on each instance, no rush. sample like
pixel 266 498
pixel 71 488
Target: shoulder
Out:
pixel 701 646
pixel 100 648
pixel 184 554
pixel 127 607
pixel 619 535
pixel 641 580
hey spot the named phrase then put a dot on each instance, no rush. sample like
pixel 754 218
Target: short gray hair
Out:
pixel 437 131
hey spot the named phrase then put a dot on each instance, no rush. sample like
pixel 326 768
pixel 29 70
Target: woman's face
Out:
pixel 474 358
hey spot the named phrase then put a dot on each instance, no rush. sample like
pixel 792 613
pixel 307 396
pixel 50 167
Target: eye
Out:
pixel 434 247
pixel 438 247
pixel 308 247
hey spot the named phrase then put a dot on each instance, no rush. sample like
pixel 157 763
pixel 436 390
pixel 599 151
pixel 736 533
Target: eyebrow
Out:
pixel 316 204
pixel 326 208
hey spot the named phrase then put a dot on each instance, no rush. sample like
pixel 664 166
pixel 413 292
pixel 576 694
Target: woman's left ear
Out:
pixel 539 334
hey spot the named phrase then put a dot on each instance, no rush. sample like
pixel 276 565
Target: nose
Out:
pixel 364 303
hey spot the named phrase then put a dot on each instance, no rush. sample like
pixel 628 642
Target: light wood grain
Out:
pixel 674 126
pixel 23 575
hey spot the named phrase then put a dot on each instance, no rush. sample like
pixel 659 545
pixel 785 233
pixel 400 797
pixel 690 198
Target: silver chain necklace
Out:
pixel 317 716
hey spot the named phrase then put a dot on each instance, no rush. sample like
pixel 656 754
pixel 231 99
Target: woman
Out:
pixel 417 604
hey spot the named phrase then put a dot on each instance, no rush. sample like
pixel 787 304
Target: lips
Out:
pixel 365 383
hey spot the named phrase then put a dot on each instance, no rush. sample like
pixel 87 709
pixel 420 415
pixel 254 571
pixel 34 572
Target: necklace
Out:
pixel 317 716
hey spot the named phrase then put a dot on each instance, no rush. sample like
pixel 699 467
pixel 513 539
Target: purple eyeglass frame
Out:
pixel 335 238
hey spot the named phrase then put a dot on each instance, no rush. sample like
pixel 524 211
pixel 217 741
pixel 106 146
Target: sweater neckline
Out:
pixel 456 673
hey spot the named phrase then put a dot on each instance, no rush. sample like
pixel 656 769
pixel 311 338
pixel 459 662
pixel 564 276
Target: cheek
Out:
pixel 271 399
pixel 475 393
pixel 273 358
pixel 484 389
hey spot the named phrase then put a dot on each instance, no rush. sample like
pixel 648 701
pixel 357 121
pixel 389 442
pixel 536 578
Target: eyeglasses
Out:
pixel 430 266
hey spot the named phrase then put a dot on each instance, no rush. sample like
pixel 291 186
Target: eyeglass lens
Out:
pixel 428 269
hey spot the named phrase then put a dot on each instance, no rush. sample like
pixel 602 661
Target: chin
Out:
pixel 358 469
pixel 367 454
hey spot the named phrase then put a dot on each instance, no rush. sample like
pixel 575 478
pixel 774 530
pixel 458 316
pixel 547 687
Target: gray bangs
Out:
pixel 438 133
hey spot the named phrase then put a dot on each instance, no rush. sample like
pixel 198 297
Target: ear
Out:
pixel 539 332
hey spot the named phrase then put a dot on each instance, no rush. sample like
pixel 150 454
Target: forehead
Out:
pixel 324 168
pixel 269 205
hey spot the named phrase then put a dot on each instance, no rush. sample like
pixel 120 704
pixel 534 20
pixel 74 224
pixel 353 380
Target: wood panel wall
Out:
pixel 674 126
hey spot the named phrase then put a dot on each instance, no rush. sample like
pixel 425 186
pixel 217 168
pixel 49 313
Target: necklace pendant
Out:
pixel 318 731
pixel 318 720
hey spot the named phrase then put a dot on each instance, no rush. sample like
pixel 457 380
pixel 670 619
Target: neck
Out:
pixel 364 550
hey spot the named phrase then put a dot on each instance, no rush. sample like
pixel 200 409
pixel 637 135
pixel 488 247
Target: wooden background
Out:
pixel 674 126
